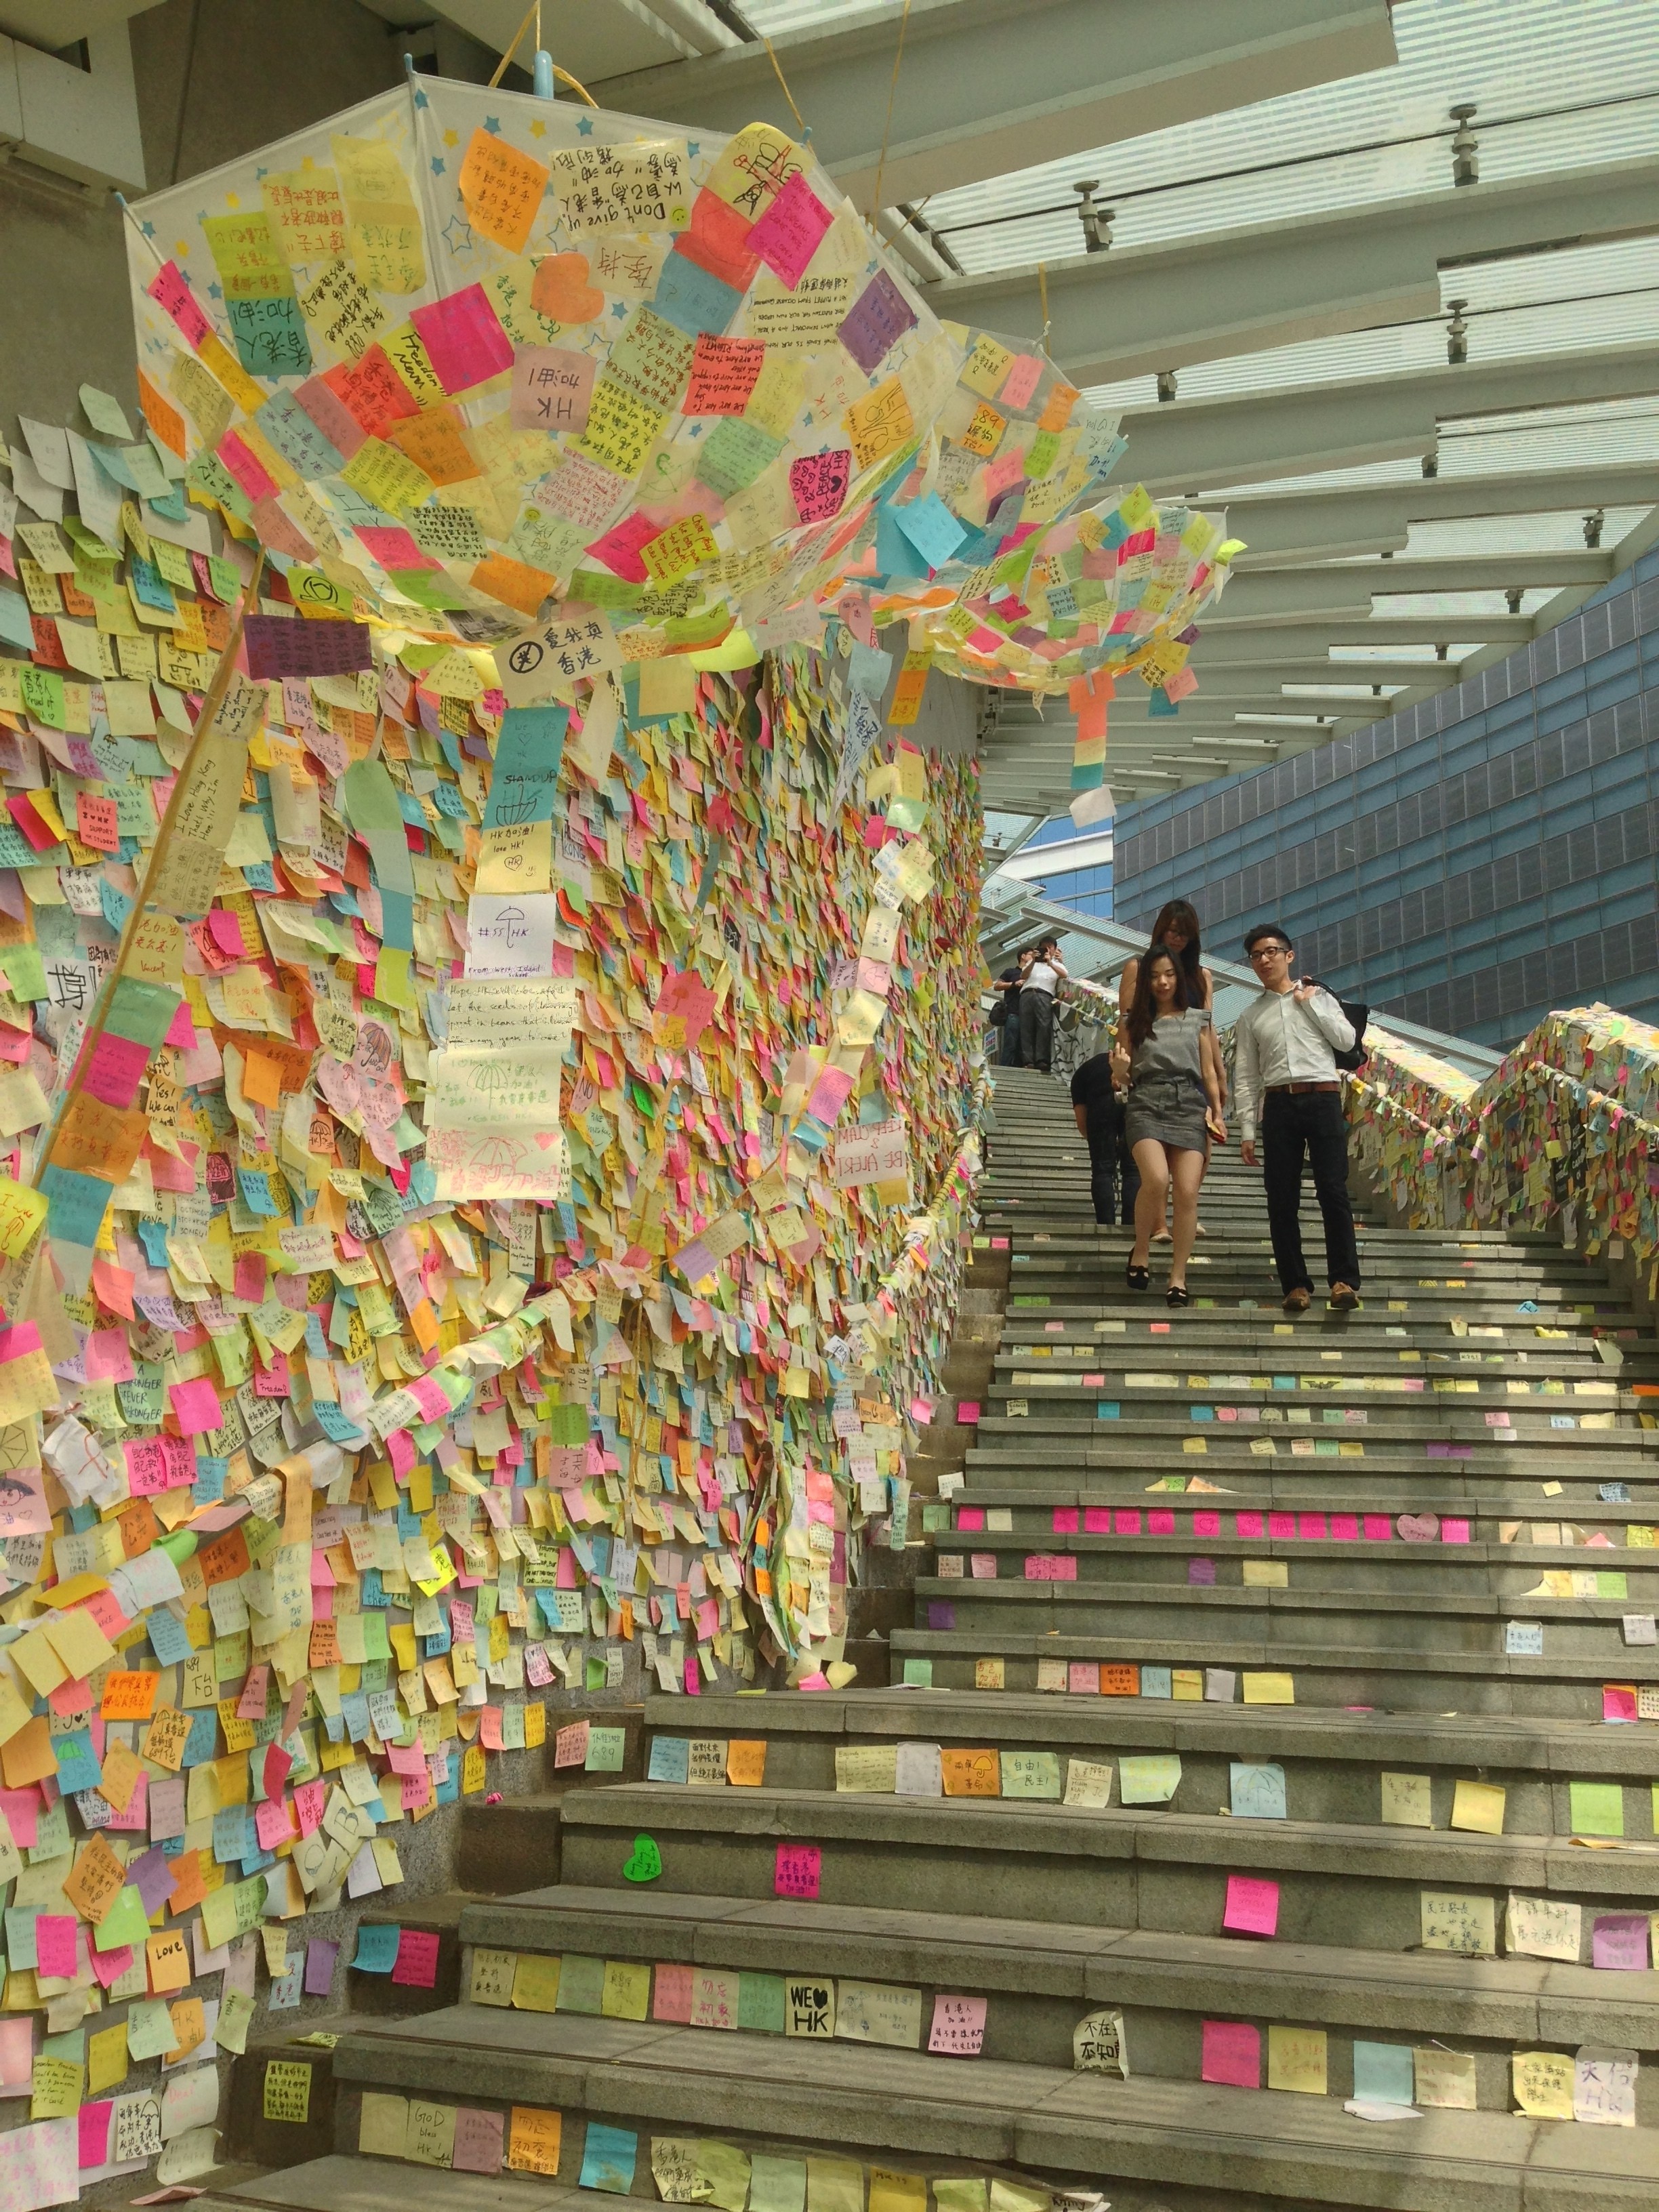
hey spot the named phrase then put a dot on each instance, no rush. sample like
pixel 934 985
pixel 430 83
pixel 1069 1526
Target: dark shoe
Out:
pixel 1298 1300
pixel 1137 1279
pixel 1177 1294
pixel 1344 1297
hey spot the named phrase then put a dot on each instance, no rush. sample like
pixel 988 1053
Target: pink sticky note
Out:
pixel 1617 1701
pixel 958 2028
pixel 417 1958
pixel 1454 1532
pixel 54 1945
pixel 1200 1573
pixel 1125 1521
pixel 1024 374
pixel 797 1871
pixel 108 1356
pixel 197 1405
pixel 1160 1521
pixel 1233 2053
pixel 672 1993
pixel 1206 1525
pixel 1247 1524
pixel 1378 1529
pixel 968 1412
pixel 170 289
pixel 971 1517
pixel 273 1824
pixel 394 547
pixel 1065 1516
pixel 1281 1525
pixel 95 2134
pixel 1097 1520
pixel 1618 1942
pixel 1345 1528
pixel 1310 1527
pixel 828 1095
pixel 16 2054
pixel 619 548
pixel 1252 1905
pixel 1082 1679
pixel 788 234
pixel 478 2147
pixel 464 339
pixel 116 1069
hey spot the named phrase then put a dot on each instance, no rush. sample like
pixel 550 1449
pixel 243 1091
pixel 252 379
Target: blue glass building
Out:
pixel 1470 863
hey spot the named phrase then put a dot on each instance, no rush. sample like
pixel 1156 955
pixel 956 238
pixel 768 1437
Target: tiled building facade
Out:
pixel 1469 863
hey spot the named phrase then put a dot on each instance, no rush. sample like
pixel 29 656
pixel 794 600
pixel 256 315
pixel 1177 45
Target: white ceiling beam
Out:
pixel 1285 528
pixel 1193 446
pixel 990 86
pixel 1134 310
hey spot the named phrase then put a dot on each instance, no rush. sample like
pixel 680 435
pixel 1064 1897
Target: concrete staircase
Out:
pixel 1424 1523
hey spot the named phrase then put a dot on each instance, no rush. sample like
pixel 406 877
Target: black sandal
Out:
pixel 1137 1279
pixel 1177 1294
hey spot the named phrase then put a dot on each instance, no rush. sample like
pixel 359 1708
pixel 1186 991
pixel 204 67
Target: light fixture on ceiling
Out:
pixel 1097 221
pixel 1593 524
pixel 1430 465
pixel 1465 146
pixel 1457 335
pixel 1512 598
pixel 1166 383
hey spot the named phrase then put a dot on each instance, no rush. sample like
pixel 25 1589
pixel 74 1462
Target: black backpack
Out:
pixel 1358 1016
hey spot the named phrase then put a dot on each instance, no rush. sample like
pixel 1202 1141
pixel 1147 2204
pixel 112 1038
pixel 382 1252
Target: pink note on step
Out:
pixel 1233 2053
pixel 1252 1905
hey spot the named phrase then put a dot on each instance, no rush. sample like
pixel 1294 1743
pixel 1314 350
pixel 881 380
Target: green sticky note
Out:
pixel 126 1922
pixel 606 1746
pixel 105 413
pixel 149 2029
pixel 779 2185
pixel 760 2004
pixel 581 1984
pixel 919 1674
pixel 1030 1774
pixel 1151 1780
pixel 1613 1584
pixel 1598 1808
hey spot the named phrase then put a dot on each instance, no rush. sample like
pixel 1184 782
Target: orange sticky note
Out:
pixel 129 1697
pixel 746 1763
pixel 169 1957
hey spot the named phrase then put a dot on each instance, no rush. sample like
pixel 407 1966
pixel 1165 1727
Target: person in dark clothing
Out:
pixel 1098 1112
pixel 1008 1015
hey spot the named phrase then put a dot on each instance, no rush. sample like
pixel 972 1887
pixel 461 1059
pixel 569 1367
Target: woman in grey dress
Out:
pixel 1166 1055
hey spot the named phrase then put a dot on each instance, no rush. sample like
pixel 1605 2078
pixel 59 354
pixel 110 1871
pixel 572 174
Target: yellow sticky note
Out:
pixel 1295 2060
pixel 626 1994
pixel 1405 1801
pixel 1479 1806
pixel 1269 1690
pixel 536 1983
pixel 1542 2082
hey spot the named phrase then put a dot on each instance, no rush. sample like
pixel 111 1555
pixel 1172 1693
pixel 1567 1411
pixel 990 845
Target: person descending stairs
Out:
pixel 1262 1814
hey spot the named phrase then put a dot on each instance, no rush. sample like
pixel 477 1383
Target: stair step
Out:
pixel 1039 1981
pixel 909 2105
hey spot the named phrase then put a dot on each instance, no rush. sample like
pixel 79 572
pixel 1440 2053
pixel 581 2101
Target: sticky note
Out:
pixel 1252 1907
pixel 1233 2053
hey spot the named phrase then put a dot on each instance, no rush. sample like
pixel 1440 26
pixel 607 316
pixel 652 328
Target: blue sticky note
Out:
pixel 671 1759
pixel 1155 1682
pixel 75 1206
pixel 608 2158
pixel 20 1935
pixel 171 1646
pixel 202 1743
pixel 1107 1409
pixel 377 1948
pixel 895 556
pixel 694 303
pixel 1383 2073
pixel 334 1424
pixel 1159 701
pixel 257 1192
pixel 931 529
pixel 233 1835
pixel 526 773
pixel 15 626
pixel 1258 1790
pixel 78 1765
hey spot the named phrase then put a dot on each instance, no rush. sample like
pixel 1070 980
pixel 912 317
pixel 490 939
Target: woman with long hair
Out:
pixel 1166 1057
pixel 1176 927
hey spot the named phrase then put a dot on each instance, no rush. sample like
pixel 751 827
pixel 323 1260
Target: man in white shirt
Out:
pixel 1286 1081
pixel 1037 1005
